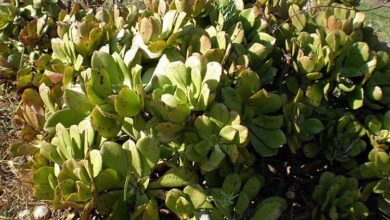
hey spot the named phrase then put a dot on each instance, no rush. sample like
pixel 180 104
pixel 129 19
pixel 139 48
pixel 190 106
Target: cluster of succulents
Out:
pixel 338 197
pixel 170 110
pixel 376 172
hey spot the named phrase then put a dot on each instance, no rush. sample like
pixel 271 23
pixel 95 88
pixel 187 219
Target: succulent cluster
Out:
pixel 337 197
pixel 376 172
pixel 172 110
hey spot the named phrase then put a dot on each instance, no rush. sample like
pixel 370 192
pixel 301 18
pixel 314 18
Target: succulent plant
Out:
pixel 196 80
pixel 78 168
pixel 64 50
pixel 169 113
pixel 302 127
pixel 259 109
pixel 298 19
pixel 265 130
pixel 343 140
pixel 87 35
pixel 68 182
pixel 270 208
pixel 195 8
pixel 336 50
pixel 86 167
pixel 178 108
pixel 31 113
pixel 338 197
pixel 49 7
pixel 376 170
pixel 312 56
pixel 236 194
pixel 184 203
pixel 10 59
pixel 332 16
pixel 113 90
pixel 65 19
pixel 378 128
pixel 358 66
pixel 126 182
pixel 220 135
pixel 376 87
pixel 69 143
pixel 74 184
pixel 38 31
pixel 8 12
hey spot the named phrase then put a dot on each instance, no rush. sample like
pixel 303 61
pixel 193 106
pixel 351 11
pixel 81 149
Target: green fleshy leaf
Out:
pixel 127 103
pixel 66 117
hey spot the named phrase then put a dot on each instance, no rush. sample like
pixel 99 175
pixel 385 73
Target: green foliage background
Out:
pixel 186 109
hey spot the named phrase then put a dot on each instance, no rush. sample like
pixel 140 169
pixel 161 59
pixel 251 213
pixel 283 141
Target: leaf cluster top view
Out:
pixel 171 111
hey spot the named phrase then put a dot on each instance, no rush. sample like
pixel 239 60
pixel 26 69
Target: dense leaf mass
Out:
pixel 230 109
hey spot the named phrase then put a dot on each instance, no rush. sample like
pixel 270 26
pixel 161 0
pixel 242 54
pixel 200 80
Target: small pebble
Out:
pixel 24 215
pixel 204 216
pixel 41 213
